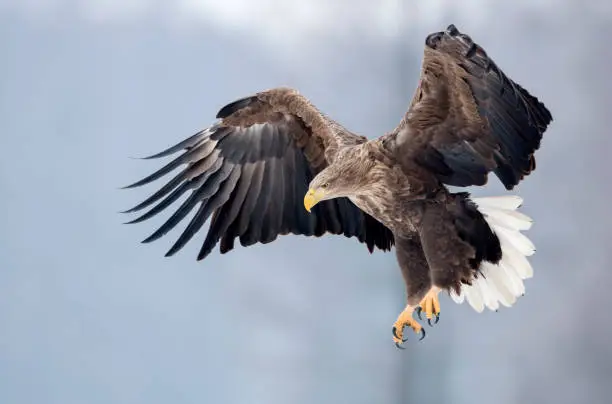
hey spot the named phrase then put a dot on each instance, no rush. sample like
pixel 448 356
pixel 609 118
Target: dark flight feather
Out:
pixel 235 106
pixel 249 180
pixel 468 118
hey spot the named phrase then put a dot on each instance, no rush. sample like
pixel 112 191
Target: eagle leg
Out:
pixel 431 305
pixel 405 320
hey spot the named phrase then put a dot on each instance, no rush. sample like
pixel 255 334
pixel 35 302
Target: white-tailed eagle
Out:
pixel 274 164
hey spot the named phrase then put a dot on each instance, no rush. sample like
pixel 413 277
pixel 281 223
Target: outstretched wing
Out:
pixel 467 118
pixel 250 172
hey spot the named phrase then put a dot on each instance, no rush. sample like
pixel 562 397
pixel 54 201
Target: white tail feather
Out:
pixel 501 283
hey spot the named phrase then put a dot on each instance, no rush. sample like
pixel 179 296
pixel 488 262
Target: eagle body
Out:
pixel 274 164
pixel 422 216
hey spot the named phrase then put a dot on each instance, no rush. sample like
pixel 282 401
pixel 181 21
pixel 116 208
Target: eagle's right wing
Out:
pixel 251 171
pixel 467 118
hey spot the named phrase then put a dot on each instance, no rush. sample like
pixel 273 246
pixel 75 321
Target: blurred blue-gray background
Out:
pixel 89 315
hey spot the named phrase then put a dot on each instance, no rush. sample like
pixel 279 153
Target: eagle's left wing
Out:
pixel 467 118
pixel 248 174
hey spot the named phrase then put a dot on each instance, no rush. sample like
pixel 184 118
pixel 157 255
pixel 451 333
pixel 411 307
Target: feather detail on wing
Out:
pixel 467 118
pixel 249 172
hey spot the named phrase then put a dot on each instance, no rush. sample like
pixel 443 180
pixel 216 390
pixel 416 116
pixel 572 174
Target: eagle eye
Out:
pixel 325 185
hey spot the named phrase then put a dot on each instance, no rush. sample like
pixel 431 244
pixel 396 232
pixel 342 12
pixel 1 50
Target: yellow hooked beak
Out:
pixel 312 197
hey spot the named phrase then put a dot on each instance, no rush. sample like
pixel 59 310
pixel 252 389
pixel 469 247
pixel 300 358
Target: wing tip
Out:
pixel 234 106
pixel 452 30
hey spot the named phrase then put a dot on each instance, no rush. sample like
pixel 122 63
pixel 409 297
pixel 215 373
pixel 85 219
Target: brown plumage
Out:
pixel 250 171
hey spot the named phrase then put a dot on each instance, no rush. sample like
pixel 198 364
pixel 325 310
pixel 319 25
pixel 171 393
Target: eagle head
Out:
pixel 345 177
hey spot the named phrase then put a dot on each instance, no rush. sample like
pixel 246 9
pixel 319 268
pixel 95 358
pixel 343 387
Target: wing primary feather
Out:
pixel 229 213
pixel 170 185
pixel 188 143
pixel 176 194
pixel 220 192
pixel 199 152
pixel 193 176
pixel 159 173
pixel 222 132
pixel 202 192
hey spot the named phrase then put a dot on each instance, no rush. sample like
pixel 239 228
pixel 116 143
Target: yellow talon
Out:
pixel 405 320
pixel 430 305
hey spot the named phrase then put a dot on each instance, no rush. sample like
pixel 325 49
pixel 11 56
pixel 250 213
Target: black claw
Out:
pixel 397 336
pixel 429 322
pixel 437 318
pixel 418 312
pixel 398 346
pixel 422 334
